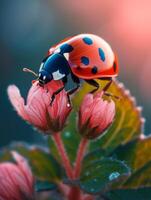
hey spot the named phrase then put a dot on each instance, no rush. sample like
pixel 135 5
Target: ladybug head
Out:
pixel 44 77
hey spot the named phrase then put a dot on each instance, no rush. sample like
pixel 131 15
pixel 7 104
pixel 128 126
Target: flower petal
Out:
pixel 25 169
pixel 38 110
pixel 17 101
pixel 100 113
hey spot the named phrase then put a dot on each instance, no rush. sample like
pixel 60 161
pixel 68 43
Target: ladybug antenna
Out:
pixel 30 71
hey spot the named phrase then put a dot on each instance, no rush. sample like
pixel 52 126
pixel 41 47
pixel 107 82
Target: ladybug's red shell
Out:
pixel 91 57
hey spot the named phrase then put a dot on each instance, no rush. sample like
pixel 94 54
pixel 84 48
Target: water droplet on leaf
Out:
pixel 114 175
pixel 87 173
pixel 67 134
pixel 92 189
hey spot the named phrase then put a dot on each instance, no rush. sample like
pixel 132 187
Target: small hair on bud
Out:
pixel 133 100
pixel 127 92
pixel 143 120
pixel 121 85
pixel 139 109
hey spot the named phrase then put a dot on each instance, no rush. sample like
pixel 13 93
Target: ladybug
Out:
pixel 84 56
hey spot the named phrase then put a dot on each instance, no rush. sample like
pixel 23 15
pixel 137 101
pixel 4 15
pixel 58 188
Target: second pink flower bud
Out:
pixel 95 115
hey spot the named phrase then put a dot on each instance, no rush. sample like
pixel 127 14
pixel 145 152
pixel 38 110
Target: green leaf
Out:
pixel 53 148
pixel 128 123
pixel 43 164
pixel 93 156
pixel 42 186
pixel 137 155
pixel 102 174
pixel 141 178
pixel 131 194
pixel 70 138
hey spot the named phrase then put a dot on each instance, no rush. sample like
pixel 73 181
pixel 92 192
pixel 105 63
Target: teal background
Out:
pixel 28 28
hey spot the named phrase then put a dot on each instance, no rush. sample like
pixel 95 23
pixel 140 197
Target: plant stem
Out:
pixel 64 189
pixel 63 154
pixel 88 197
pixel 75 193
pixel 80 154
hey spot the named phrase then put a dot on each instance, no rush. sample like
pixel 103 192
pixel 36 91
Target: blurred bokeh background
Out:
pixel 28 28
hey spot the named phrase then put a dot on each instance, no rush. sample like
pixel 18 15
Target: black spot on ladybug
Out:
pixel 94 70
pixel 78 68
pixel 87 40
pixel 114 66
pixel 66 48
pixel 85 60
pixel 101 54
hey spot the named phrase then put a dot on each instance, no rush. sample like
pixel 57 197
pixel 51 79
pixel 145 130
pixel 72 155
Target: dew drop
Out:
pixel 68 105
pixel 114 175
pixel 87 173
pixel 67 134
pixel 95 180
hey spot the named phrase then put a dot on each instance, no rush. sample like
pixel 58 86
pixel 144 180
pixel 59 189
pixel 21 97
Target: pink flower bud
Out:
pixel 37 110
pixel 16 180
pixel 95 115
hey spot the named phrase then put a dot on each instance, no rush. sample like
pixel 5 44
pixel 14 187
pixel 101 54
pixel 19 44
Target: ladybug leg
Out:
pixel 55 93
pixel 111 95
pixel 107 85
pixel 93 83
pixel 70 92
pixel 64 80
pixel 73 90
pixel 75 80
pixel 108 93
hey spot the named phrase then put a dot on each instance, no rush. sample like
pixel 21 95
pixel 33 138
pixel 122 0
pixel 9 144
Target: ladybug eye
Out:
pixel 44 78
